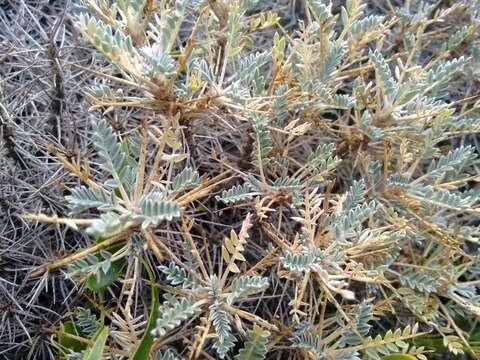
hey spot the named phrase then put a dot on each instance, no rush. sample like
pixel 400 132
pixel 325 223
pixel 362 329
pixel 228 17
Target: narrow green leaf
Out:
pixel 398 357
pixel 143 350
pixel 96 351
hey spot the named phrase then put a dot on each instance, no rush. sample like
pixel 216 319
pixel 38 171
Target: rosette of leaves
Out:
pixel 214 296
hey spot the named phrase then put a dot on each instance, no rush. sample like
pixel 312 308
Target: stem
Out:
pixel 93 249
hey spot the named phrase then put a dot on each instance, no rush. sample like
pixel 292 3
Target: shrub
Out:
pixel 302 190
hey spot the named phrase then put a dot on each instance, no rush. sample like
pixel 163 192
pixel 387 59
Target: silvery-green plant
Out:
pixel 296 190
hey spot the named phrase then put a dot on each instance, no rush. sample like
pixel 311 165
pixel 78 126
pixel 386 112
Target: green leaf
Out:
pixel 419 280
pixel 221 320
pixel 107 42
pixel 443 71
pixel 170 25
pixel 158 63
pixel 244 286
pixel 332 61
pixel 236 193
pixel 320 10
pixel 69 343
pixel 262 139
pixel 166 355
pixel 187 179
pixel 255 348
pixel 304 261
pixel 82 198
pixel 96 351
pixel 365 25
pixel 109 147
pixel 86 321
pixel 108 224
pixel 363 315
pixel 309 341
pixel 173 312
pixel 453 161
pixel 398 357
pixel 143 350
pixel 355 195
pixel 101 280
pixel 153 210
pixel 178 276
pixel 385 78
